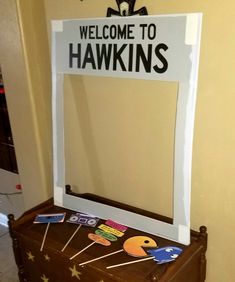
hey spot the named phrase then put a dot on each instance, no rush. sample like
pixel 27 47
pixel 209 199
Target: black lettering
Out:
pixel 97 32
pixel 113 31
pixel 89 57
pixel 130 31
pixel 146 60
pixel 143 30
pixel 73 55
pixel 104 33
pixel 103 54
pixel 121 32
pixel 83 32
pixel 117 57
pixel 151 31
pixel 163 60
pixel 91 32
pixel 130 64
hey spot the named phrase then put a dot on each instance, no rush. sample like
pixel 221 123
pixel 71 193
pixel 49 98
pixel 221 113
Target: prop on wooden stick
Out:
pixel 132 246
pixel 161 255
pixel 80 219
pixel 96 239
pixel 48 218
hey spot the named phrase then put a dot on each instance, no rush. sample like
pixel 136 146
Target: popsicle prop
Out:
pixel 161 255
pixel 132 246
pixel 106 235
pixel 97 239
pixel 48 218
pixel 110 230
pixel 80 219
pixel 116 225
pixel 107 232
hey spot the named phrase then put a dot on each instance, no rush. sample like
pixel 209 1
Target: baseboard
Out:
pixel 3 220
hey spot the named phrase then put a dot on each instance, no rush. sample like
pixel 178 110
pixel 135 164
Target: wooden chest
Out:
pixel 52 265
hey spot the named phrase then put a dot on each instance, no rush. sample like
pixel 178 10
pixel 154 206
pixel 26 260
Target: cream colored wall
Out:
pixel 26 72
pixel 119 139
pixel 213 193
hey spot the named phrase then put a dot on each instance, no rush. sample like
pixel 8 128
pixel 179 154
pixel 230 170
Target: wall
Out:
pixel 213 194
pixel 26 81
pixel 13 202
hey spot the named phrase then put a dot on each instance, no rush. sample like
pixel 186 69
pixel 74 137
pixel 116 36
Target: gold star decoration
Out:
pixel 47 258
pixel 30 256
pixel 74 272
pixel 44 278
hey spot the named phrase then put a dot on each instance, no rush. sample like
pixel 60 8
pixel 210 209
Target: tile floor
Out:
pixel 8 269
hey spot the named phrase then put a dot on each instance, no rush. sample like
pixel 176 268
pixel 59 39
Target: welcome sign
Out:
pixel 161 48
pixel 138 47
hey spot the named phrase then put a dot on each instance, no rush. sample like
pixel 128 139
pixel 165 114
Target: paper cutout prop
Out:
pixel 96 239
pixel 106 235
pixel 166 254
pixel 162 255
pixel 102 236
pixel 83 219
pixel 116 225
pixel 134 245
pixel 48 218
pixel 99 239
pixel 111 230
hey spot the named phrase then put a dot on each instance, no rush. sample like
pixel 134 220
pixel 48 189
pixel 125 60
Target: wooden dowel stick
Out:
pixel 44 237
pixel 82 250
pixel 70 239
pixel 129 262
pixel 86 262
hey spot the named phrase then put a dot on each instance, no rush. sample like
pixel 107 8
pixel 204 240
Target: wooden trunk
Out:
pixel 52 265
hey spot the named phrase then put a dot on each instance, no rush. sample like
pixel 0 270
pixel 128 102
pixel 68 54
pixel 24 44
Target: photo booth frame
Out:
pixel 164 48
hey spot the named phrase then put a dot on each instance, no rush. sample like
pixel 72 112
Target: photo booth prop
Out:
pixel 163 48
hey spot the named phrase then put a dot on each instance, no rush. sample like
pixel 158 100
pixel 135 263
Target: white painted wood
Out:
pixel 183 60
pixel 58 123
pixel 130 219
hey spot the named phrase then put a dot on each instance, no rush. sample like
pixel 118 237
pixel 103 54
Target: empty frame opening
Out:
pixel 119 139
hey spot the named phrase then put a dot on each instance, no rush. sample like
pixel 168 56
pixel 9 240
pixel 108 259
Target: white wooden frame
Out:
pixel 182 68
